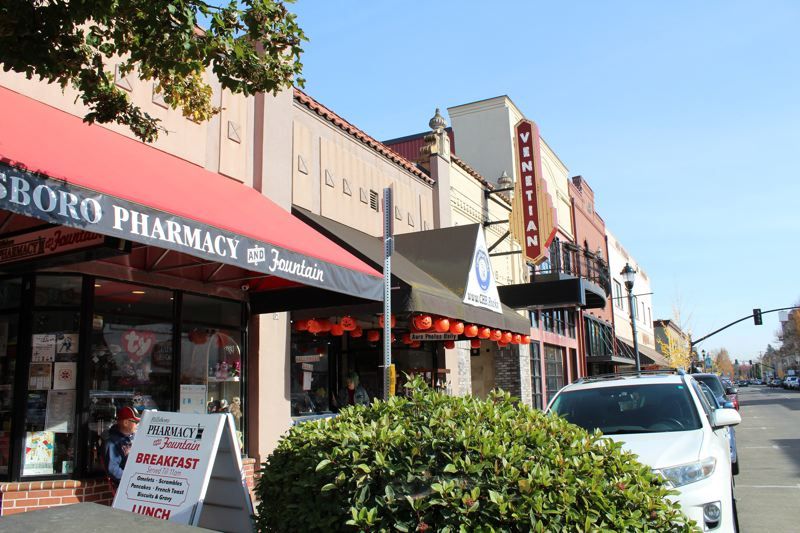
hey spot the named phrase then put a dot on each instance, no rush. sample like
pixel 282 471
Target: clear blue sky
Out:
pixel 683 116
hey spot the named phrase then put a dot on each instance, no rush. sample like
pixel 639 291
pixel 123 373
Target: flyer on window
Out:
pixel 60 411
pixel 66 343
pixel 193 399
pixel 44 348
pixel 40 376
pixel 39 448
pixel 64 375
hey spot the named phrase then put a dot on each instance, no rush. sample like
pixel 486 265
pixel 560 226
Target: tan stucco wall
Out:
pixel 333 175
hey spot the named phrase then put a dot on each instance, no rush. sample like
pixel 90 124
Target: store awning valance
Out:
pixel 55 168
pixel 647 356
pixel 415 287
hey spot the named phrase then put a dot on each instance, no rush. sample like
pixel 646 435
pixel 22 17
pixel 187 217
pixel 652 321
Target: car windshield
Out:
pixel 617 410
pixel 713 383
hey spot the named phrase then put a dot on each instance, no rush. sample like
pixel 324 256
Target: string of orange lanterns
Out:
pixel 419 323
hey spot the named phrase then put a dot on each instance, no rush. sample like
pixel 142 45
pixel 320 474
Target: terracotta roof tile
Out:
pixel 350 129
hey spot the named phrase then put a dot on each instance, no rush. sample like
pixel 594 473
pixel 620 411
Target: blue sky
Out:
pixel 683 117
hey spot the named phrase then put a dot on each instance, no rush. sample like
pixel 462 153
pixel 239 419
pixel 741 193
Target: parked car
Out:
pixel 666 420
pixel 714 402
pixel 723 394
pixel 776 382
pixel 743 383
pixel 790 382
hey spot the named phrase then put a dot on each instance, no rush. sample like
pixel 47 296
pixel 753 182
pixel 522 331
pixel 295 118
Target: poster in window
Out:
pixel 39 448
pixel 3 338
pixel 44 348
pixel 60 411
pixel 193 399
pixel 64 375
pixel 66 343
pixel 40 376
pixel 36 408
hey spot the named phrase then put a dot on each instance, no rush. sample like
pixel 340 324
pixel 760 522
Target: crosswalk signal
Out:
pixel 757 317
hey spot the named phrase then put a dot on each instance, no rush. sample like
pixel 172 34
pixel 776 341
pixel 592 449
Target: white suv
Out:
pixel 666 420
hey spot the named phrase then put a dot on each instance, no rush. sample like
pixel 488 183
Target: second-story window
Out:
pixel 618 295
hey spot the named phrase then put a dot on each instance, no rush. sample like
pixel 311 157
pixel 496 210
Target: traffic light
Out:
pixel 757 317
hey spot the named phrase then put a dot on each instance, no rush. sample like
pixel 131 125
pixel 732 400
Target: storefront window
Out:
pixel 554 368
pixel 9 322
pixel 536 374
pixel 211 371
pixel 49 443
pixel 130 356
pixel 311 383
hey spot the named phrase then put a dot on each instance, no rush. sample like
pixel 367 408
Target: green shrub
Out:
pixel 436 462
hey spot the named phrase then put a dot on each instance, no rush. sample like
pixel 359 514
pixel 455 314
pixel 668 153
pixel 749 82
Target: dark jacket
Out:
pixel 115 454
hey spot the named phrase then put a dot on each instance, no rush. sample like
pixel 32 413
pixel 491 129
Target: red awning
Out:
pixel 58 169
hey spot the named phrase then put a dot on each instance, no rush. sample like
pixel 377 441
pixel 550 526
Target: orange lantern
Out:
pixel 406 338
pixel 449 344
pixel 475 343
pixel 471 331
pixel 337 330
pixel 506 337
pixel 373 335
pixel 442 325
pixel 415 344
pixel 484 333
pixel 301 325
pixel 356 333
pixel 526 339
pixel 313 326
pixel 423 322
pixel 516 339
pixel 381 322
pixel 496 335
pixel 324 325
pixel 348 323
pixel 457 327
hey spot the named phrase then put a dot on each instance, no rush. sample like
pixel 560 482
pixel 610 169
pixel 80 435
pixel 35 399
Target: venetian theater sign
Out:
pixel 533 217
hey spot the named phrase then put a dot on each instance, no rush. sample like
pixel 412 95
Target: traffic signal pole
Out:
pixel 756 316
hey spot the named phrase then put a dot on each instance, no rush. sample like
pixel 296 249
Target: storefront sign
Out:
pixel 481 290
pixel 169 468
pixel 73 206
pixel 538 214
pixel 424 336
pixel 47 242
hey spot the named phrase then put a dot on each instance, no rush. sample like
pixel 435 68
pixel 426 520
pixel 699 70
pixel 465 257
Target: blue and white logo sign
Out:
pixel 481 289
pixel 483 269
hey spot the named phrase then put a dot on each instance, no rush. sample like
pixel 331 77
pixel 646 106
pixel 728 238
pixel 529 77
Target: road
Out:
pixel 768 485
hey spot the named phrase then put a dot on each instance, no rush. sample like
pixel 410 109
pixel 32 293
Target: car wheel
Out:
pixel 735 468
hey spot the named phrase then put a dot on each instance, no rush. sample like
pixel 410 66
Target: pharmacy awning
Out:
pixel 57 169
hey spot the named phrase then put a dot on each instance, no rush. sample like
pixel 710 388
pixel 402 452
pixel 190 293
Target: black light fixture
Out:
pixel 629 276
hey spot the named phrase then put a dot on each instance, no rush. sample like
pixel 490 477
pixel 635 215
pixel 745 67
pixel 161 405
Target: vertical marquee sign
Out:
pixel 538 214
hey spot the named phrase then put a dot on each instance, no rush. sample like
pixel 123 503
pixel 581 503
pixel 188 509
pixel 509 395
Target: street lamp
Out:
pixel 629 276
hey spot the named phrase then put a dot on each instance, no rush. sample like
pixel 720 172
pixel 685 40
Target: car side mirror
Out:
pixel 725 417
pixel 731 390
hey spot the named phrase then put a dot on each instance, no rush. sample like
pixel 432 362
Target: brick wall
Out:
pixel 34 495
pixel 507 371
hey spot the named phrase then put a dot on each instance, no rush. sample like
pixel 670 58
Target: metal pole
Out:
pixel 388 247
pixel 633 328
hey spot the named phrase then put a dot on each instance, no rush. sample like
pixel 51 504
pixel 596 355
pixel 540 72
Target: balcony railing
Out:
pixel 570 259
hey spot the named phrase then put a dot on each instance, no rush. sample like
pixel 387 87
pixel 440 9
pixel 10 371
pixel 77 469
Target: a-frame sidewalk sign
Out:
pixel 187 468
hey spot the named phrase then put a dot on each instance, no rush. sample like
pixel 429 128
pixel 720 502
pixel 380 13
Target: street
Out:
pixel 768 486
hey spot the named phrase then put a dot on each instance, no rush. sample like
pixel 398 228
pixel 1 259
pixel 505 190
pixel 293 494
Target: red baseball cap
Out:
pixel 128 413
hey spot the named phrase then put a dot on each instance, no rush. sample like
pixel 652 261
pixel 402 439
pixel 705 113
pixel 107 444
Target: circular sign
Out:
pixel 483 269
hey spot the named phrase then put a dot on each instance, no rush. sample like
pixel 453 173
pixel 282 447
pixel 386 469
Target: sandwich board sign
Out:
pixel 186 468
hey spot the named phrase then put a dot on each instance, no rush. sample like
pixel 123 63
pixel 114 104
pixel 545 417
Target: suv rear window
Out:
pixel 652 408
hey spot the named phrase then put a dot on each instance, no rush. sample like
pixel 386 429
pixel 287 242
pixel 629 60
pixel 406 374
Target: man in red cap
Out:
pixel 120 439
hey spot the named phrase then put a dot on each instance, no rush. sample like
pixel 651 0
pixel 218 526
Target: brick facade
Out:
pixel 507 371
pixel 25 496
pixel 464 371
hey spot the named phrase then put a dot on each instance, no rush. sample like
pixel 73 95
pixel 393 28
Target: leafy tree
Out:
pixel 251 46
pixel 723 363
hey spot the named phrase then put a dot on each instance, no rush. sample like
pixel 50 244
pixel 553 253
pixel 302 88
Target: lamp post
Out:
pixel 629 276
pixel 704 361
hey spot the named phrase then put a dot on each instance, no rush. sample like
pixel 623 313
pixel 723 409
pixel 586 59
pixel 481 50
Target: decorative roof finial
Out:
pixel 504 180
pixel 437 123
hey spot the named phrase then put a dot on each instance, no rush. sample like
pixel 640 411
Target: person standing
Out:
pixel 119 442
